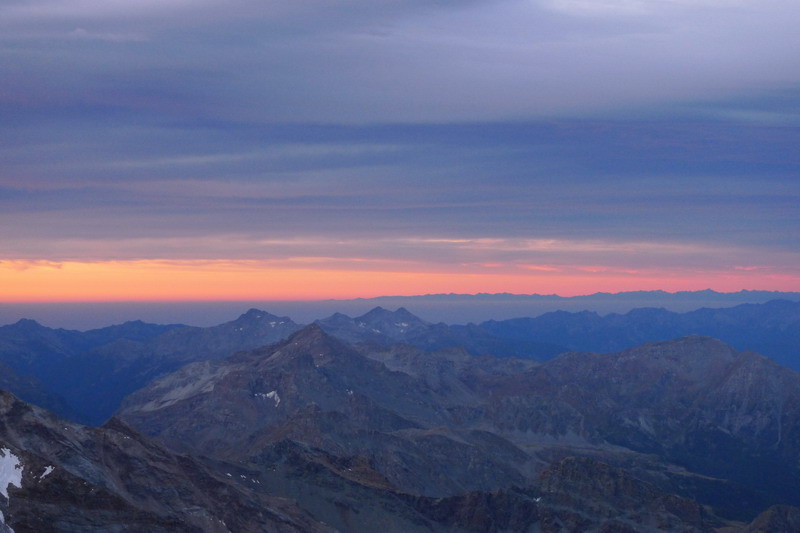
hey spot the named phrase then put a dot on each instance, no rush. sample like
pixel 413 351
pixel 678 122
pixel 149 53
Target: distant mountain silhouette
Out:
pixel 772 328
pixel 383 327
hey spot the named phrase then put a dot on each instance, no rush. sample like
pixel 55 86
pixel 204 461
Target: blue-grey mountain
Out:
pixel 691 417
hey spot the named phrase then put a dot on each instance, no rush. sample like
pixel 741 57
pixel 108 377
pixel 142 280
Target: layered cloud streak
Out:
pixel 504 137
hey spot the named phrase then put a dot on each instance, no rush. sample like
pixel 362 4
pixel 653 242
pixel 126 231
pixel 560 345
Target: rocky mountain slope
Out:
pixel 56 476
pixel 60 476
pixel 92 371
pixel 691 417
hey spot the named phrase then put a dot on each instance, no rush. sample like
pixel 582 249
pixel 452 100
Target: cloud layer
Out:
pixel 631 136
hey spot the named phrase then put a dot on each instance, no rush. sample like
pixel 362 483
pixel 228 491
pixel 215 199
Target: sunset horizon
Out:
pixel 119 281
pixel 155 152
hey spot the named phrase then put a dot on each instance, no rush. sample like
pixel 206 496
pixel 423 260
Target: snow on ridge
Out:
pixel 47 470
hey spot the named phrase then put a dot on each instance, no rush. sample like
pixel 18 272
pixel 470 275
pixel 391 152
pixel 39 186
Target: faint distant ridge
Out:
pixel 742 296
pixel 455 308
pixel 448 308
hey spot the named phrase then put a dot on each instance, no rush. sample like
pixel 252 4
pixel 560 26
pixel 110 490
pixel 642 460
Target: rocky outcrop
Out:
pixel 776 519
pixel 74 478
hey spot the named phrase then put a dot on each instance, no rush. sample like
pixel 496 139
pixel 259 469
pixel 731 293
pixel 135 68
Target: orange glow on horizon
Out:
pixel 150 280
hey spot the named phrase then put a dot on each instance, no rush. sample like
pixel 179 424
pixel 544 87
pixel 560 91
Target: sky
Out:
pixel 241 150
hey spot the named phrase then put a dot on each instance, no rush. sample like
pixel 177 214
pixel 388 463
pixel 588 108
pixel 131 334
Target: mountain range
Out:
pixel 263 424
pixel 315 434
pixel 692 416
pixel 448 308
pixel 771 328
pixel 84 376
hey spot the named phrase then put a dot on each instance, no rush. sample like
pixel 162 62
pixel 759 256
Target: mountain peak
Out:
pixel 312 338
pixel 261 320
pixel 27 324
pixel 307 345
pixel 311 331
pixel 374 313
pixel 379 313
pixel 254 314
pixel 402 312
pixel 693 357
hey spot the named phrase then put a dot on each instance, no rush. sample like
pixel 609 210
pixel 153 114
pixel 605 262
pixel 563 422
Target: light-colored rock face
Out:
pixel 191 381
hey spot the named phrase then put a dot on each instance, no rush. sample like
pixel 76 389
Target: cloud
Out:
pixel 692 183
pixel 386 254
pixel 80 33
pixel 405 61
pixel 501 134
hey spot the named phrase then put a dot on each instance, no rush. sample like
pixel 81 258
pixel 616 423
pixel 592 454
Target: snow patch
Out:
pixel 47 471
pixel 271 395
pixel 10 471
pixel 401 324
pixel 10 474
pixel 274 396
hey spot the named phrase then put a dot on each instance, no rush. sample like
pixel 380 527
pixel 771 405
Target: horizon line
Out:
pixel 399 296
